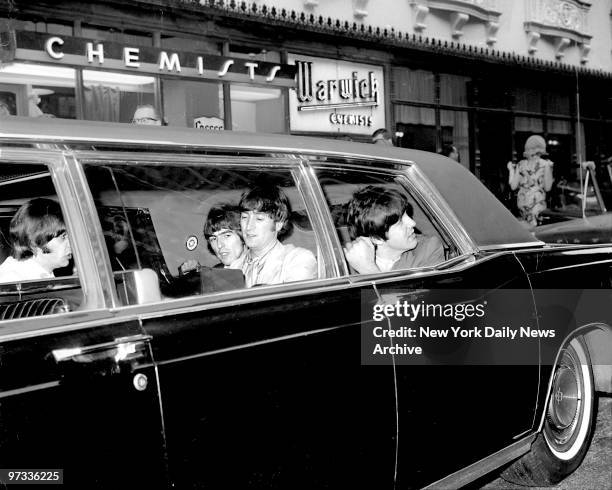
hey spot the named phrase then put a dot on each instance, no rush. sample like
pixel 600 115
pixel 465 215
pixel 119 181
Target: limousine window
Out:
pixel 153 216
pixel 341 185
pixel 28 288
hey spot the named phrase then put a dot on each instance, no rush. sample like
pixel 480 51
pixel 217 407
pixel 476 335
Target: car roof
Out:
pixel 487 221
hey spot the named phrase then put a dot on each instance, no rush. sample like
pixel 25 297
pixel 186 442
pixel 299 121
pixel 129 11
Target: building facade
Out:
pixel 481 75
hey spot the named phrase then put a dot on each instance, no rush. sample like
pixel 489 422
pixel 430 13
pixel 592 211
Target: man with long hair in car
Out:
pixel 39 242
pixel 224 236
pixel 383 231
pixel 264 214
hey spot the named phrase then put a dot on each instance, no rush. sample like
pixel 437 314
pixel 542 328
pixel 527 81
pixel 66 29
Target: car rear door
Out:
pixel 459 400
pixel 78 390
pixel 260 387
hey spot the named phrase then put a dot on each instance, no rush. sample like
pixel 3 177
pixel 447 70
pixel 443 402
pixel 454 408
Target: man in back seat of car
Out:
pixel 39 242
pixel 380 222
pixel 222 231
pixel 264 214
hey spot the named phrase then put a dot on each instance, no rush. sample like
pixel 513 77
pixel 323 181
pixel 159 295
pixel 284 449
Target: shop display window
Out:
pixel 418 125
pixel 454 89
pixel 194 45
pixel 456 132
pixel 413 85
pixel 257 109
pixel 37 90
pixel 193 104
pixel 114 97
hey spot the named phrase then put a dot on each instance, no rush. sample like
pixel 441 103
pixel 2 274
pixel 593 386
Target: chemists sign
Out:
pixel 336 96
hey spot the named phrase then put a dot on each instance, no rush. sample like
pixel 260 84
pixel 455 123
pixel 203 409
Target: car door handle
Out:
pixel 117 350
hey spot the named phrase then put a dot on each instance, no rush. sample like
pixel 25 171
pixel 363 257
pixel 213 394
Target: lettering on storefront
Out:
pixel 336 96
pixel 350 119
pixel 169 62
pixel 353 90
pixel 209 123
pixel 66 50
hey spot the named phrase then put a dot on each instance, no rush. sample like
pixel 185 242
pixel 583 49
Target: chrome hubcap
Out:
pixel 565 401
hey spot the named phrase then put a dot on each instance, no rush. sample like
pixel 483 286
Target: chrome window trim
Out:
pixel 58 162
pixel 442 212
pixel 428 198
pixel 507 246
pixel 25 328
pixel 181 160
pixel 318 221
pixel 273 292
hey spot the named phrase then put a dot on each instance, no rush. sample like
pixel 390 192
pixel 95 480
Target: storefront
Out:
pixel 243 66
pixel 83 78
pixel 489 114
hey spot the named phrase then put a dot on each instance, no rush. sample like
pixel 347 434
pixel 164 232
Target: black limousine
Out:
pixel 123 371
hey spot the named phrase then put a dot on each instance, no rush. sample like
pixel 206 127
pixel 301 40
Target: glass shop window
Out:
pixel 115 97
pixel 193 45
pixel 37 90
pixel 456 132
pixel 41 279
pixel 418 125
pixel 127 37
pixel 254 53
pixel 454 89
pixel 180 228
pixel 412 85
pixel 193 104
pixel 257 109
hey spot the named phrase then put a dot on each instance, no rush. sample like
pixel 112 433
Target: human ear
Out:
pixel 279 225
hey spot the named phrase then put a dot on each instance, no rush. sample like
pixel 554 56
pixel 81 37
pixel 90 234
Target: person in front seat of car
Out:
pixel 39 242
pixel 380 222
pixel 264 211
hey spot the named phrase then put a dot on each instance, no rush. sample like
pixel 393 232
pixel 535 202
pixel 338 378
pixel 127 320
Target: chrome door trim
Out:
pixel 29 389
pixel 484 466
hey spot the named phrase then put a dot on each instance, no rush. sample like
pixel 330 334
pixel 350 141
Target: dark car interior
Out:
pixel 18 183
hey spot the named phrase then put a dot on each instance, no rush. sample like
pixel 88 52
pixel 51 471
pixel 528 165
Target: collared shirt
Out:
pixel 13 270
pixel 279 264
pixel 428 252
pixel 239 262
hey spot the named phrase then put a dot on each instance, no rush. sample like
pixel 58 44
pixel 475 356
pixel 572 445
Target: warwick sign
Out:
pixel 336 96
pixel 352 91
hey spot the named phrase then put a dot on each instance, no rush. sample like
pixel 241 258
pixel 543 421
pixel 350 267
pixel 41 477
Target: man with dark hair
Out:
pixel 264 215
pixel 39 242
pixel 222 231
pixel 380 222
pixel 382 136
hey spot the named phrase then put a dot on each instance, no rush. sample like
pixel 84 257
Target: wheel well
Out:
pixel 599 342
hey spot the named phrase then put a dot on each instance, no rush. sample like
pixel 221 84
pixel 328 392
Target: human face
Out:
pixel 146 116
pixel 58 253
pixel 401 235
pixel 227 245
pixel 258 229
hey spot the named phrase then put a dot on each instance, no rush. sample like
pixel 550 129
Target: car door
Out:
pixel 260 387
pixel 459 400
pixel 78 390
